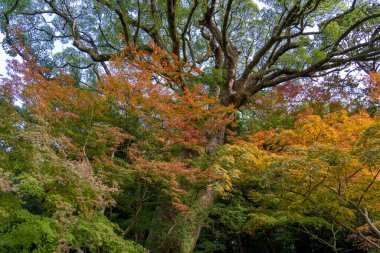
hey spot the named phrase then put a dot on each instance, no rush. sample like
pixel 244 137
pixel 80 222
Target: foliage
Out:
pixel 41 203
pixel 96 149
pixel 321 172
pixel 127 106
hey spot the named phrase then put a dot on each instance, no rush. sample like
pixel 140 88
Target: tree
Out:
pixel 332 159
pixel 321 174
pixel 42 208
pixel 240 48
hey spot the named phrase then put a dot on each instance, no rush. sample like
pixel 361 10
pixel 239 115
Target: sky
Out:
pixel 3 58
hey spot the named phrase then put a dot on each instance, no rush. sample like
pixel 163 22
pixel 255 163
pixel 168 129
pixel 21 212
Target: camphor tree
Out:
pixel 240 48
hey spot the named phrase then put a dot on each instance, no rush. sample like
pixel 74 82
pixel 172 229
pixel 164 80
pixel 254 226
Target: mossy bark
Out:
pixel 179 233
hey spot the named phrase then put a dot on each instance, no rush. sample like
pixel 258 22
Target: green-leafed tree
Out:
pixel 48 202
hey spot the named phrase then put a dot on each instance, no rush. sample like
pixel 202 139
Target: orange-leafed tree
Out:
pixel 141 122
pixel 330 164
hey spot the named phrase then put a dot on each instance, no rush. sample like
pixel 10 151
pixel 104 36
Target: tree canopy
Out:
pixel 248 48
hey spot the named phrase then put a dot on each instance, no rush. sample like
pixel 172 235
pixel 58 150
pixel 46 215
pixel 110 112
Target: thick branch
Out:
pixel 92 52
pixel 171 5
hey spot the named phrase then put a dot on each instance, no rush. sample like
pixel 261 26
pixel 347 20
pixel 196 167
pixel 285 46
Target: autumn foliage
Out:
pixel 375 87
pixel 148 121
pixel 325 166
pixel 148 91
pixel 190 126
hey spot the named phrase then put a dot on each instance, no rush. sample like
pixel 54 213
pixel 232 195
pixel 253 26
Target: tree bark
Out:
pixel 204 203
pixel 196 221
pixel 184 230
pixel 370 223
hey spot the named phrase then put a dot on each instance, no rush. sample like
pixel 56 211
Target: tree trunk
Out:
pixel 204 202
pixel 155 242
pixel 196 221
pixel 186 228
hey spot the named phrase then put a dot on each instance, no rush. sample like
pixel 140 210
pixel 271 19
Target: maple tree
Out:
pixel 375 87
pixel 128 120
pixel 324 167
